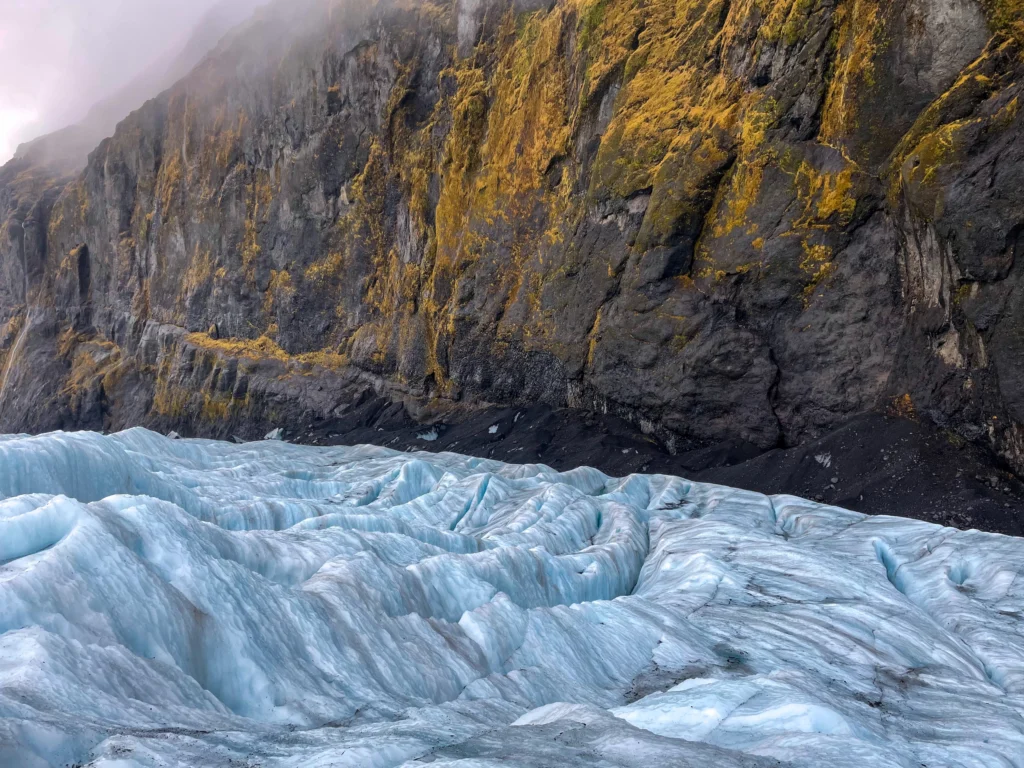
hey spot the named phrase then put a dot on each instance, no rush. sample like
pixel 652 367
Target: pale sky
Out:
pixel 59 57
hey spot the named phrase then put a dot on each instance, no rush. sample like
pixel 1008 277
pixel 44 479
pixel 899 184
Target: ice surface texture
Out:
pixel 193 603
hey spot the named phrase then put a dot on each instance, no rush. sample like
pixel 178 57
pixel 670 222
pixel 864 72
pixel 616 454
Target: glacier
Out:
pixel 196 603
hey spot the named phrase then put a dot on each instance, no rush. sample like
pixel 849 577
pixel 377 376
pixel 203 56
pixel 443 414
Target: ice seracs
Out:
pixel 184 602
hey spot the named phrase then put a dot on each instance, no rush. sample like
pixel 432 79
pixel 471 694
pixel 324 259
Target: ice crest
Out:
pixel 188 602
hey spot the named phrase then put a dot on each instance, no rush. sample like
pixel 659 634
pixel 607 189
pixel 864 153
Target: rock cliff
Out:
pixel 715 219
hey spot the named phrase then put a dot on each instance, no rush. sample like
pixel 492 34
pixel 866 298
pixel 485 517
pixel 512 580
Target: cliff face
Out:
pixel 718 219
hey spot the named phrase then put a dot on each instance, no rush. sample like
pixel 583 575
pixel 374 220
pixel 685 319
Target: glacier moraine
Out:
pixel 194 603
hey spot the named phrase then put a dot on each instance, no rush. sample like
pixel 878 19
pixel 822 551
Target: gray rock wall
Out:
pixel 717 220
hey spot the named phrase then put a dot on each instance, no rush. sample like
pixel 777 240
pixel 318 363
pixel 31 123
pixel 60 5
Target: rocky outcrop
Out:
pixel 717 220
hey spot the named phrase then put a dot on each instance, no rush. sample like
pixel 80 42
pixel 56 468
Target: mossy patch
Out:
pixel 817 264
pixel 1006 17
pixel 860 37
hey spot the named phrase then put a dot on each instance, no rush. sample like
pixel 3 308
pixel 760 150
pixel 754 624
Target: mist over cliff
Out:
pixel 92 62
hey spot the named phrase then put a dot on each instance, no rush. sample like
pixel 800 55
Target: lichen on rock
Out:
pixel 768 209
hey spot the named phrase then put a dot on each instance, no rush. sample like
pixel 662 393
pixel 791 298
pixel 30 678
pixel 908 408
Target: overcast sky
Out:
pixel 59 57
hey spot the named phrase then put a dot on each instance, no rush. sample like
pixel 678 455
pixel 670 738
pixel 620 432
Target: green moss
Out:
pixel 963 293
pixel 679 342
pixel 1006 17
pixel 591 18
pixel 786 21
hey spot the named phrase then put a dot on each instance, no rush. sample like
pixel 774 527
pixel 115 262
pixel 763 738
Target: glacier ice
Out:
pixel 194 603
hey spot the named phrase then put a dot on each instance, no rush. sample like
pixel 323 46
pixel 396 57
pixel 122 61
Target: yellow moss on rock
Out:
pixel 920 174
pixel 498 155
pixel 326 269
pixel 786 20
pixel 826 196
pixel 1006 16
pixel 259 196
pixel 279 290
pixel 262 348
pixel 93 361
pixel 227 139
pixel 500 147
pixel 668 95
pixel 818 265
pixel 198 273
pixel 903 407
pixel 169 179
pixel 265 348
pixel 860 36
pixel 936 144
pixel 221 406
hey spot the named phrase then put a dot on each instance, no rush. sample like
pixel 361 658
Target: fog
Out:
pixel 58 58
